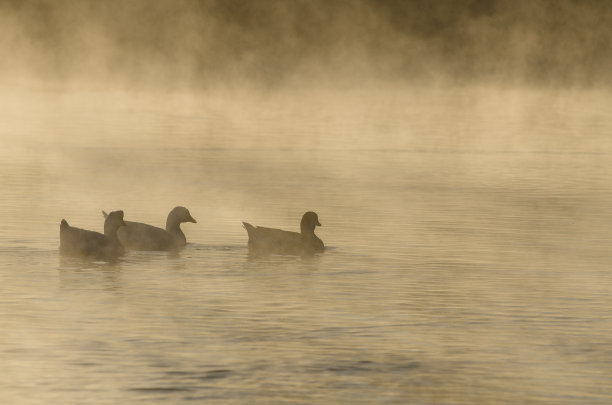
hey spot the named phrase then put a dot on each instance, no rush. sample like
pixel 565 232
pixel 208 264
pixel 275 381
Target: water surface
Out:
pixel 468 258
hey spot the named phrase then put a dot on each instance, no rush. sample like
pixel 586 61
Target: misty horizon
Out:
pixel 169 44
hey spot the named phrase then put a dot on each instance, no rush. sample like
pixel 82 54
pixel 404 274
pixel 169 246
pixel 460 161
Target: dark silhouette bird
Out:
pixel 81 242
pixel 139 236
pixel 269 240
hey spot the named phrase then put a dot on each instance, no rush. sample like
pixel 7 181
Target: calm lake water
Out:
pixel 468 262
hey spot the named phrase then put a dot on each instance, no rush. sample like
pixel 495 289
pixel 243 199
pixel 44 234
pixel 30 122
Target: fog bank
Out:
pixel 273 43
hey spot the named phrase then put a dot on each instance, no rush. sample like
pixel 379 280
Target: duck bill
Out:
pixel 191 219
pixel 319 224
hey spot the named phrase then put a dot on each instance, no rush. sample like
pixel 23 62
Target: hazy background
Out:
pixel 229 43
pixel 457 154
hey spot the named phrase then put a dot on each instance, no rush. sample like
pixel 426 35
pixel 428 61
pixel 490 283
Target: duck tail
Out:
pixel 104 214
pixel 64 224
pixel 249 228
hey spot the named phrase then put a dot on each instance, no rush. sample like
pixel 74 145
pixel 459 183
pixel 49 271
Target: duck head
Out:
pixel 310 220
pixel 113 221
pixel 179 215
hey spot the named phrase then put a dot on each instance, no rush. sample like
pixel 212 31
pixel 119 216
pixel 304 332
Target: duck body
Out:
pixel 271 240
pixel 140 236
pixel 81 242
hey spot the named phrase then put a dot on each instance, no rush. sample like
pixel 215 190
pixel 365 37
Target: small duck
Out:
pixel 139 236
pixel 271 240
pixel 81 242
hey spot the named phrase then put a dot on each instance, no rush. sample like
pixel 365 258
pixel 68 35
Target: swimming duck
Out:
pixel 285 242
pixel 139 236
pixel 81 242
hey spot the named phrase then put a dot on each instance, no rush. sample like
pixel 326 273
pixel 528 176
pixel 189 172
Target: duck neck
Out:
pixel 174 228
pixel 306 231
pixel 111 232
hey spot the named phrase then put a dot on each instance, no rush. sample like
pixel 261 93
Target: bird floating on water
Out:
pixel 80 242
pixel 139 236
pixel 270 240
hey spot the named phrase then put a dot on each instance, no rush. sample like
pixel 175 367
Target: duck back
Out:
pixel 139 236
pixel 81 242
pixel 272 240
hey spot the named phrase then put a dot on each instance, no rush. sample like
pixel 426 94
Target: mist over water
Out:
pixel 457 155
pixel 234 44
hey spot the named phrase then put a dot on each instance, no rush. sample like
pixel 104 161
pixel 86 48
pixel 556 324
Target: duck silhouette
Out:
pixel 270 240
pixel 139 236
pixel 80 242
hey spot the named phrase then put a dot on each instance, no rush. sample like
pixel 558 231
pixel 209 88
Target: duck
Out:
pixel 80 242
pixel 270 240
pixel 139 236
